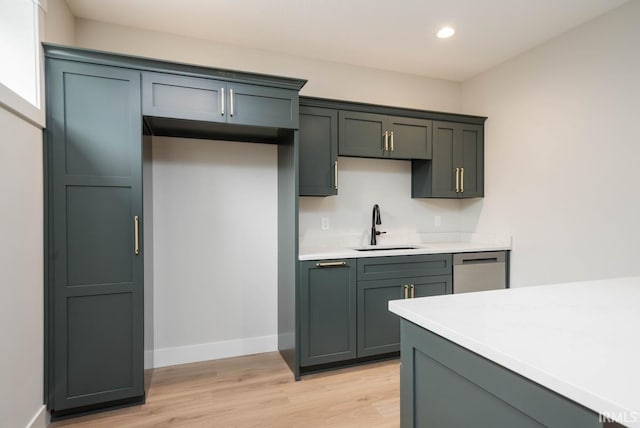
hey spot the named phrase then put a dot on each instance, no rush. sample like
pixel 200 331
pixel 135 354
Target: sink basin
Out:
pixel 385 248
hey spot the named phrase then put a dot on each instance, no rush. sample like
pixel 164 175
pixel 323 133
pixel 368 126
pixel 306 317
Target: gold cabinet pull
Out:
pixel 222 101
pixel 136 235
pixel 461 180
pixel 413 291
pixel 386 141
pixel 457 180
pixel 335 175
pixel 330 264
pixel 231 101
pixel 406 291
pixel 391 140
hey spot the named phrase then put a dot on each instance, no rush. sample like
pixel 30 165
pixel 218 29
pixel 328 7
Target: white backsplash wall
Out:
pixel 363 183
pixel 215 249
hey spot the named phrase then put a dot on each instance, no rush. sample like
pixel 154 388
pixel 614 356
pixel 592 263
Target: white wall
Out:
pixel 213 317
pixel 60 23
pixel 21 254
pixel 562 151
pixel 215 234
pixel 21 265
pixel 362 183
pixel 325 79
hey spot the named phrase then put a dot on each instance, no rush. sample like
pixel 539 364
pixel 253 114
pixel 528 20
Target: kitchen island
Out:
pixel 559 355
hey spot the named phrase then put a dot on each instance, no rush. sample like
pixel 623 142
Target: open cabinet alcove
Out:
pixel 102 110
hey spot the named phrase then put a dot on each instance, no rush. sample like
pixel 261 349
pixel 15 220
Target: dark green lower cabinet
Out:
pixel 327 311
pixel 447 386
pixel 94 271
pixel 431 286
pixel 379 329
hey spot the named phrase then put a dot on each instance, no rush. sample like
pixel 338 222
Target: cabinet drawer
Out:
pixel 403 266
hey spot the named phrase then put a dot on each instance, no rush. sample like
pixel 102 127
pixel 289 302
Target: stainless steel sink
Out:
pixel 385 248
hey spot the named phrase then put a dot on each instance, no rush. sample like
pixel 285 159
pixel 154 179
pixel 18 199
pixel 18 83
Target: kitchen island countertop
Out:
pixel 578 339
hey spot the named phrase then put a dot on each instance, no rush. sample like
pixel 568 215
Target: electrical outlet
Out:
pixel 325 223
pixel 437 221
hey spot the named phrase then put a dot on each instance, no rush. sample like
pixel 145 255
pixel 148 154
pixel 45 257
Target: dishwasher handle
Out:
pixel 478 258
pixel 480 261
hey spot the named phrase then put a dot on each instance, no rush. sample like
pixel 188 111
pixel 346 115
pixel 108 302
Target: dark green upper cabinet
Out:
pixel 381 136
pixel 361 134
pixel 318 136
pixel 180 97
pixel 457 167
pixel 95 268
pixel 201 99
pixel 410 138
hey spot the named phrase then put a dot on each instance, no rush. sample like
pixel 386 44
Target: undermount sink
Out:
pixel 386 248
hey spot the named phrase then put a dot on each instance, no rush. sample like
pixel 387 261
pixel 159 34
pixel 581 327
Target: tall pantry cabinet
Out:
pixel 102 111
pixel 94 264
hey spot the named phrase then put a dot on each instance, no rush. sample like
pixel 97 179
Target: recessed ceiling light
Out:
pixel 446 32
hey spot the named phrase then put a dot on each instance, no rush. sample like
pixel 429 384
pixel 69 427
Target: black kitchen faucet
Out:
pixel 375 220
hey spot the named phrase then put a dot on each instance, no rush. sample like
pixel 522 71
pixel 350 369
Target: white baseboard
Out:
pixel 148 360
pixel 215 350
pixel 40 419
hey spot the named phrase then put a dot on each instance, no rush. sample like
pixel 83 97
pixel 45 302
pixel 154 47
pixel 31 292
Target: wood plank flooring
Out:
pixel 259 391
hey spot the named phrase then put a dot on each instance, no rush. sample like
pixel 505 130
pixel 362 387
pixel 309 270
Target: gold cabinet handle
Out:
pixel 461 180
pixel 330 264
pixel 413 291
pixel 386 141
pixel 231 101
pixel 222 101
pixel 406 291
pixel 391 140
pixel 136 235
pixel 335 175
pixel 457 180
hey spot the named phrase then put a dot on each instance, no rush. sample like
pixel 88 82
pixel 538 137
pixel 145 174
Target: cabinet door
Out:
pixel 446 152
pixel 262 106
pixel 471 161
pixel 378 329
pixel 95 276
pixel 327 312
pixel 362 134
pixel 431 286
pixel 457 167
pixel 318 138
pixel 181 97
pixel 411 138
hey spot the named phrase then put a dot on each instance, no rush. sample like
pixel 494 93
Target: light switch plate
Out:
pixel 325 223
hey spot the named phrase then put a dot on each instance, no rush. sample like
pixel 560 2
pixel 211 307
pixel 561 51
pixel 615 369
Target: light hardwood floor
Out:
pixel 259 391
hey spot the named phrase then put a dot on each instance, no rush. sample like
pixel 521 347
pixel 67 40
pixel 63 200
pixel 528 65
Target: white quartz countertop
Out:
pixel 579 339
pixel 325 253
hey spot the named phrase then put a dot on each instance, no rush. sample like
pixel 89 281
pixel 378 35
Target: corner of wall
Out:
pixel 60 24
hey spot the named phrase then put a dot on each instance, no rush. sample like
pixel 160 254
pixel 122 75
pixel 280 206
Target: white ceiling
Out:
pixel 397 35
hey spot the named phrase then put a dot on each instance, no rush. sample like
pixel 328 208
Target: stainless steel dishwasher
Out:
pixel 479 271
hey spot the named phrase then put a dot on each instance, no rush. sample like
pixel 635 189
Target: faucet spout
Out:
pixel 375 220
